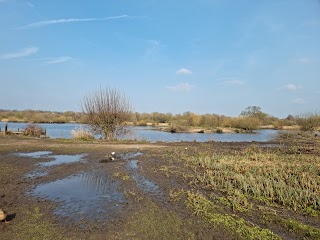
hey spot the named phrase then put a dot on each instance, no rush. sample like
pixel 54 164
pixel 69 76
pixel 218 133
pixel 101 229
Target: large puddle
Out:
pixel 85 196
pixel 91 195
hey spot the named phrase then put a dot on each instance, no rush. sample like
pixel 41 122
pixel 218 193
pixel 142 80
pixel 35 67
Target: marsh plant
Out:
pixel 82 134
pixel 309 122
pixel 33 130
pixel 290 180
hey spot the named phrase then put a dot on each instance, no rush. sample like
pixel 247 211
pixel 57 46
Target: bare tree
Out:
pixel 107 111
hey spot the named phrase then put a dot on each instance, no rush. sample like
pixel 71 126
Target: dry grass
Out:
pixel 82 134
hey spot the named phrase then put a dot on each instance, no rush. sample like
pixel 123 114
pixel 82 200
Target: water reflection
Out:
pixel 62 159
pixel 86 196
pixel 39 154
pixel 143 183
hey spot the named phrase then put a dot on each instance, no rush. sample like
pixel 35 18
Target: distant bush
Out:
pixel 246 123
pixel 82 134
pixel 33 130
pixel 176 128
pixel 309 122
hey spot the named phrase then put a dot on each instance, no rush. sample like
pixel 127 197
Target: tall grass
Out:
pixel 82 134
pixel 290 180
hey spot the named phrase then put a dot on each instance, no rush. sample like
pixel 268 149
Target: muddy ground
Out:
pixel 125 198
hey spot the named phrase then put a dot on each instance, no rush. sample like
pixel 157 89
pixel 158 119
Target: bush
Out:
pixel 82 134
pixel 309 122
pixel 33 130
pixel 246 123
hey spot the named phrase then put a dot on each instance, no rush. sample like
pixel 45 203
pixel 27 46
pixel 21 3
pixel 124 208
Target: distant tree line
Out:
pixel 249 119
pixel 37 116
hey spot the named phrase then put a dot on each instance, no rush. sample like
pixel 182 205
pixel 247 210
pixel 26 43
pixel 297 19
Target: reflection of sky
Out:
pixel 146 133
pixel 86 195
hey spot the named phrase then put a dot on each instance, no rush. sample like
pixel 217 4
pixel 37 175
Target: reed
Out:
pixel 82 134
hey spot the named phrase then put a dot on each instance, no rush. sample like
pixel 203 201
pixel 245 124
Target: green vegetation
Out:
pixel 290 180
pixel 36 226
pixel 255 192
pixel 232 224
pixel 156 223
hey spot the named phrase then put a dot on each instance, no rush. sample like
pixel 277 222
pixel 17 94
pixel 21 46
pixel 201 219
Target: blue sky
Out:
pixel 204 56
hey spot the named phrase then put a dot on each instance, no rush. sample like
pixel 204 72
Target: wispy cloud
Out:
pixel 58 60
pixel 183 71
pixel 70 20
pixel 21 53
pixel 153 50
pixel 232 82
pixel 182 87
pixel 289 87
pixel 299 101
pixel 30 4
pixel 304 60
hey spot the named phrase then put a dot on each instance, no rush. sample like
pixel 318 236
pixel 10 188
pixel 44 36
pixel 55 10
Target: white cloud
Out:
pixel 299 101
pixel 58 60
pixel 21 53
pixel 183 71
pixel 182 87
pixel 69 20
pixel 304 60
pixel 233 82
pixel 290 87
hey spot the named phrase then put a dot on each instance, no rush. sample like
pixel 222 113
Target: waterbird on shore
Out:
pixel 112 158
pixel 3 216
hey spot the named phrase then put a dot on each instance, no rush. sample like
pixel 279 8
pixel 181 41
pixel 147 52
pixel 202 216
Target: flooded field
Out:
pixel 187 190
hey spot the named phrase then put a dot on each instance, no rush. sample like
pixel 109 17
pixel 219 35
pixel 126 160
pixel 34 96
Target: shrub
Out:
pixel 309 122
pixel 33 130
pixel 246 123
pixel 82 134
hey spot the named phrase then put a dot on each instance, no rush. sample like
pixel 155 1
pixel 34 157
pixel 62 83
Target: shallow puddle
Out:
pixel 143 183
pixel 131 155
pixel 62 159
pixel 36 173
pixel 86 196
pixel 56 160
pixel 39 154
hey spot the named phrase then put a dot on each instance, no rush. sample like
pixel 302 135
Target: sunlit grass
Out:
pixel 232 224
pixel 284 179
